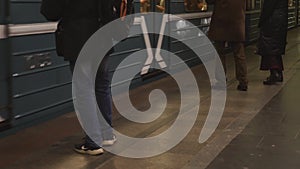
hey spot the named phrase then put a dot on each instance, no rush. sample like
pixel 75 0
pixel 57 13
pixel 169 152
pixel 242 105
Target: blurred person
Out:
pixel 271 44
pixel 227 28
pixel 78 20
pixel 144 6
pixel 161 6
pixel 195 5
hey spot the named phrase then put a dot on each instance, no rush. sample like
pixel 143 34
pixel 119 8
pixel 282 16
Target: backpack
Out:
pixel 52 9
pixel 122 8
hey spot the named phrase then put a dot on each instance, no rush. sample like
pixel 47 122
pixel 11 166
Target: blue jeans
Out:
pixel 103 96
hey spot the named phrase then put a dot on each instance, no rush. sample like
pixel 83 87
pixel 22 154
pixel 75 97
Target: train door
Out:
pixel 159 42
pixel 194 22
pixel 139 42
pixel 191 10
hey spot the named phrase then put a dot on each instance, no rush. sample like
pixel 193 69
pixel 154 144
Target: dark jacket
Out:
pixel 79 20
pixel 273 25
pixel 228 20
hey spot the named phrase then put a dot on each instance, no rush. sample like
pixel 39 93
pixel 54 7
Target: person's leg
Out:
pixel 273 78
pixel 276 62
pixel 103 96
pixel 220 47
pixel 240 65
pixel 265 63
pixel 275 65
pixel 88 146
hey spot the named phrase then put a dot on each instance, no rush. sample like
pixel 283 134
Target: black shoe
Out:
pixel 86 148
pixel 270 80
pixel 280 76
pixel 273 79
pixel 275 76
pixel 242 87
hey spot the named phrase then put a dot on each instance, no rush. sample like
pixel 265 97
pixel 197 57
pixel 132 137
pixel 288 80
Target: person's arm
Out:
pixel 52 9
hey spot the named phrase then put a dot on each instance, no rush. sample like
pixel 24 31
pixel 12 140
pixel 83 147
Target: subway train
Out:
pixel 35 84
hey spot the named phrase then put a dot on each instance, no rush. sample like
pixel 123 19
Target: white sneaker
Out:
pixel 88 149
pixel 109 142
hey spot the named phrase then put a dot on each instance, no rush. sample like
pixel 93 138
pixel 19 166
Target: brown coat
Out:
pixel 228 20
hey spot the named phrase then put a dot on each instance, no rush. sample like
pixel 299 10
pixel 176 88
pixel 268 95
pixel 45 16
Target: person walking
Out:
pixel 227 28
pixel 271 44
pixel 78 20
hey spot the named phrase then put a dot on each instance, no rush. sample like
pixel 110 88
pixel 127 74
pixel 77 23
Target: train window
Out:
pixel 195 5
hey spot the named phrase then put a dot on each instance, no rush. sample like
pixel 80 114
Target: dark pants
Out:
pixel 271 62
pixel 103 95
pixel 239 58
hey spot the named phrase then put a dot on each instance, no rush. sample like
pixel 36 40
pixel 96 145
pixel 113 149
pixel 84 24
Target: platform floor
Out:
pixel 271 140
pixel 258 129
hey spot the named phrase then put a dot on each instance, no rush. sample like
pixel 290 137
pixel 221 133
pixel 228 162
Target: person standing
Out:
pixel 227 28
pixel 271 44
pixel 78 20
